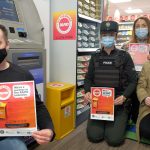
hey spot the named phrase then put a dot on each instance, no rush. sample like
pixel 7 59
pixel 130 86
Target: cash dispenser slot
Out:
pixel 28 60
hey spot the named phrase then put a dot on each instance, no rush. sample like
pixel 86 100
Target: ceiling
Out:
pixel 134 4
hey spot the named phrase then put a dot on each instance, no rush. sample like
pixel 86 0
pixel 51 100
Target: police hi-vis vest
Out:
pixel 107 70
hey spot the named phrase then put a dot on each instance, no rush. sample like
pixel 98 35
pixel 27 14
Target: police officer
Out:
pixel 110 67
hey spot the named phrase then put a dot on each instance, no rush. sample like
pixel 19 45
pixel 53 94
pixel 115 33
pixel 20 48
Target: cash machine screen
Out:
pixel 8 10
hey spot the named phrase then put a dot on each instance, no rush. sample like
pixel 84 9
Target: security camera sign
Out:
pixel 17 108
pixel 64 25
pixel 102 106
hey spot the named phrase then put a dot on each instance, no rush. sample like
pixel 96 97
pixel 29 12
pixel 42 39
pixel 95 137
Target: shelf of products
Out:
pixel 82 68
pixel 125 32
pixel 82 106
pixel 88 35
pixel 90 9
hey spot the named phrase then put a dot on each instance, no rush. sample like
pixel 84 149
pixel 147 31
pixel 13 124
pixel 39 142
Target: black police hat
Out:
pixel 109 26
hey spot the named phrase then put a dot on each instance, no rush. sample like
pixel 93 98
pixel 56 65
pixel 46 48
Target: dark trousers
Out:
pixel 112 131
pixel 145 127
pixel 135 107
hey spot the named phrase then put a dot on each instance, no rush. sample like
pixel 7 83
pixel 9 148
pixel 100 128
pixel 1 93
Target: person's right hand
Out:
pixel 147 101
pixel 87 97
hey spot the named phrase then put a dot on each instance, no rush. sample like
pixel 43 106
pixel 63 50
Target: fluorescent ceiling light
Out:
pixel 133 11
pixel 119 1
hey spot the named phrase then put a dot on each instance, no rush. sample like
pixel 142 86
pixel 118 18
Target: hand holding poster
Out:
pixel 102 107
pixel 17 108
pixel 139 53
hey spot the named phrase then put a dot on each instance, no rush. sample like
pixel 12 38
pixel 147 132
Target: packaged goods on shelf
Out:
pixel 79 44
pixel 93 27
pixel 86 32
pixel 82 71
pixel 81 77
pixel 80 106
pixel 82 64
pixel 85 26
pixel 80 100
pixel 84 38
pixel 79 31
pixel 80 4
pixel 85 44
pixel 79 24
pixel 84 58
pixel 80 93
pixel 92 45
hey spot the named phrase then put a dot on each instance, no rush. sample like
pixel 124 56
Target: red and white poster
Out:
pixel 139 53
pixel 17 108
pixel 102 106
pixel 64 25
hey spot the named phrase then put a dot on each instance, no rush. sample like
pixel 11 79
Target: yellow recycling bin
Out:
pixel 60 102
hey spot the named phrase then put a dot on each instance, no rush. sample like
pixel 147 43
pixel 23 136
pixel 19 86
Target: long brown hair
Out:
pixel 133 37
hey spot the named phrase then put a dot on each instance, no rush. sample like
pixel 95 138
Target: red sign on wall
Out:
pixel 64 25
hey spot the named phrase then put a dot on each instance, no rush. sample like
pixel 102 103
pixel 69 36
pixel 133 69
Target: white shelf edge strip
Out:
pixel 89 18
pixel 122 23
pixel 87 49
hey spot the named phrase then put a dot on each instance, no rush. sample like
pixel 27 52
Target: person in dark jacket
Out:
pixel 110 67
pixel 13 73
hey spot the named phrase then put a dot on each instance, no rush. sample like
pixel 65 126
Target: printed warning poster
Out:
pixel 64 25
pixel 17 108
pixel 139 53
pixel 102 105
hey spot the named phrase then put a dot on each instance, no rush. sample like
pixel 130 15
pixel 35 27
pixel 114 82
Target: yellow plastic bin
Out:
pixel 60 102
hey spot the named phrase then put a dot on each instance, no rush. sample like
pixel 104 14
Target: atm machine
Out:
pixel 26 37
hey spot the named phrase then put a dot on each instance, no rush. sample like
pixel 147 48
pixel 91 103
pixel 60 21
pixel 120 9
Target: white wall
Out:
pixel 63 52
pixel 43 7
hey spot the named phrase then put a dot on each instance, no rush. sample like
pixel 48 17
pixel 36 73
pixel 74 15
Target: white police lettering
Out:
pixel 107 62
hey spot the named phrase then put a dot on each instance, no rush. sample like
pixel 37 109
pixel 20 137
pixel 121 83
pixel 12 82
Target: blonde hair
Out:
pixel 133 37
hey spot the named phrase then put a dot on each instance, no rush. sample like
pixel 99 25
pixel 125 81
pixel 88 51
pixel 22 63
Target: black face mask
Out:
pixel 3 54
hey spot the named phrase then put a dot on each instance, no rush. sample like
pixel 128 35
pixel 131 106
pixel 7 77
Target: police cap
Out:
pixel 109 26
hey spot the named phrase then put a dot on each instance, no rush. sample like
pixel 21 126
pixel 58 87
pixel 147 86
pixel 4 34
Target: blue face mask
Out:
pixel 141 33
pixel 108 41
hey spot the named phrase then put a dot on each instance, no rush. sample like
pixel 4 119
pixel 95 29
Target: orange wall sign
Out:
pixel 64 25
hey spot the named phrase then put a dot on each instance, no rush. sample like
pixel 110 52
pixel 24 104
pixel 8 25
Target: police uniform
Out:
pixel 114 70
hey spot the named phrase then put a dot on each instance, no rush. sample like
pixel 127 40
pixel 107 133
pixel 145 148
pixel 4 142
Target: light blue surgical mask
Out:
pixel 141 33
pixel 108 41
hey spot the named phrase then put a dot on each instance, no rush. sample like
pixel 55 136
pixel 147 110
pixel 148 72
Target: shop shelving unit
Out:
pixel 87 42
